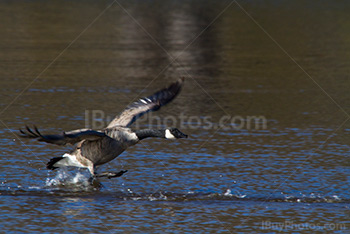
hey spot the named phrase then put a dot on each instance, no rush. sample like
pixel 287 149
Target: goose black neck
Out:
pixel 142 134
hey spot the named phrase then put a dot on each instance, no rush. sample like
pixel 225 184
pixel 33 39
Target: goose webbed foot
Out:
pixel 95 183
pixel 110 175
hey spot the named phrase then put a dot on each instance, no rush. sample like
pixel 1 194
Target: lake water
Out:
pixel 265 104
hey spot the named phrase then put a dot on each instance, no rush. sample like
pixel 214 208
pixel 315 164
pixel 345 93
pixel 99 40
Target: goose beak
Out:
pixel 179 134
pixel 183 135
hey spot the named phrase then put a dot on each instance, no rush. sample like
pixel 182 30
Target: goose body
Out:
pixel 93 148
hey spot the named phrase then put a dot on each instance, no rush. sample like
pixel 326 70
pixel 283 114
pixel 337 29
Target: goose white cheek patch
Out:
pixel 168 135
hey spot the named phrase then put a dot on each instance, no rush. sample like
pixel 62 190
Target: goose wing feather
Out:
pixel 146 104
pixel 71 137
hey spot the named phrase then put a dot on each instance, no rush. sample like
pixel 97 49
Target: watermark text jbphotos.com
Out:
pixel 97 119
pixel 290 225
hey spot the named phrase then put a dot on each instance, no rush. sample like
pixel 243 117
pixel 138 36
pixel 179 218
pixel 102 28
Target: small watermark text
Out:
pixel 290 225
pixel 97 119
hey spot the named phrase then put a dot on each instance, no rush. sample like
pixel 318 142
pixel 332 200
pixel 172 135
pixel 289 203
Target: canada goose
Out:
pixel 96 147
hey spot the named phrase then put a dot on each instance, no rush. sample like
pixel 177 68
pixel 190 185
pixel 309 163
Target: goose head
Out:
pixel 174 133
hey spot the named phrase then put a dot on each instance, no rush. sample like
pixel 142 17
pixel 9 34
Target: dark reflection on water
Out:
pixel 296 169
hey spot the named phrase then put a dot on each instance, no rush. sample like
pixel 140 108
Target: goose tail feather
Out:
pixel 51 164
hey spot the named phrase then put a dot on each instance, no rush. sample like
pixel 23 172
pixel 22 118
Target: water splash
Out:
pixel 229 193
pixel 64 178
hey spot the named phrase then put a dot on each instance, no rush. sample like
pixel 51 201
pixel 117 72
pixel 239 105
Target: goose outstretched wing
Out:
pixel 146 104
pixel 64 138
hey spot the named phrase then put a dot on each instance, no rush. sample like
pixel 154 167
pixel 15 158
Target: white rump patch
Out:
pixel 169 135
pixel 68 160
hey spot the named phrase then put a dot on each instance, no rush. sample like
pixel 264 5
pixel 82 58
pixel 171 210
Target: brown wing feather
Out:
pixel 146 104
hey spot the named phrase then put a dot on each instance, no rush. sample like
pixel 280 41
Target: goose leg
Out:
pixel 110 174
pixel 95 183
